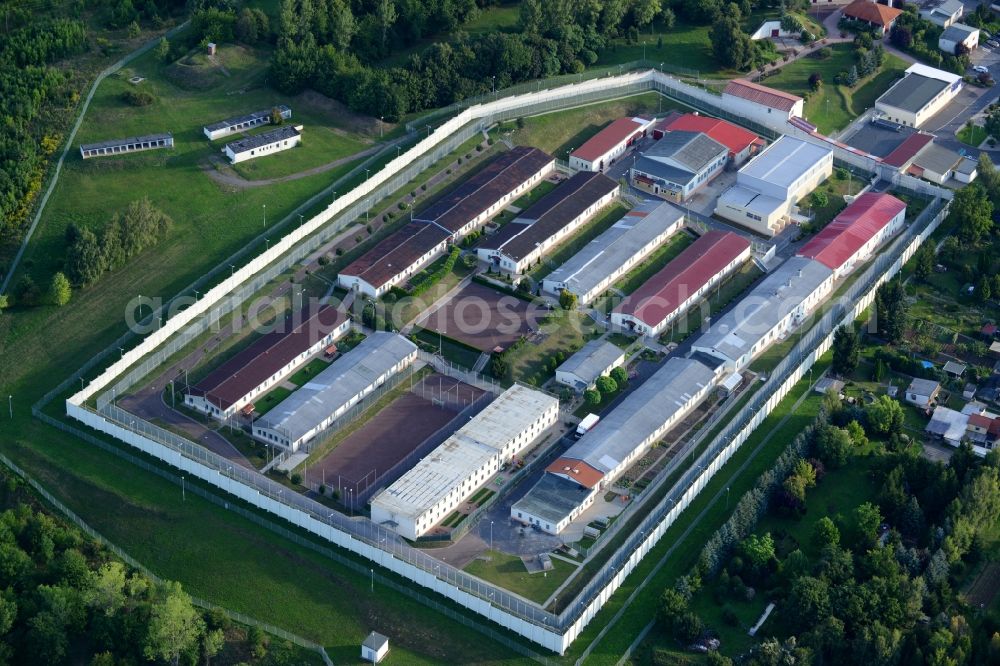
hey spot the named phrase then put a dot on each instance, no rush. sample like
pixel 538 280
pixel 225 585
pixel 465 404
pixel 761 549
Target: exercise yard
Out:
pixel 387 439
pixel 484 318
pixel 509 572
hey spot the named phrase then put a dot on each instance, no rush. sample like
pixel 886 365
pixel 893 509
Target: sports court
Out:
pixel 483 318
pixel 391 441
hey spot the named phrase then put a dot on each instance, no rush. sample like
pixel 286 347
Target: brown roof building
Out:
pixel 754 92
pixel 394 259
pixel 267 361
pixel 874 14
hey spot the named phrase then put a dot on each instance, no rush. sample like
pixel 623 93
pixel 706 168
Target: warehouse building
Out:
pixel 243 123
pixel 601 150
pixel 920 94
pixel 761 103
pixel 683 282
pixel 742 144
pixel 679 164
pixel 778 304
pixel 769 186
pixel 856 232
pixel 590 466
pixel 315 405
pixel 593 269
pixel 132 144
pixel 549 221
pixel 471 204
pixel 263 144
pixel 469 458
pixel 595 359
pixel 394 259
pixel 233 386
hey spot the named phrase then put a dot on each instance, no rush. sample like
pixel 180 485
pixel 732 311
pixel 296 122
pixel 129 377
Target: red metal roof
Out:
pixel 577 470
pixel 907 150
pixel 776 99
pixel 980 421
pixel 736 139
pixel 849 231
pixel 866 10
pixel 620 131
pixel 662 294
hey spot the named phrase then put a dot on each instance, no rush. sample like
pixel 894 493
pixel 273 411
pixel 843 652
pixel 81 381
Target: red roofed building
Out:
pixel 854 234
pixel 742 144
pixel 576 470
pixel 880 17
pixel 682 283
pixel 598 153
pixel 904 154
pixel 753 99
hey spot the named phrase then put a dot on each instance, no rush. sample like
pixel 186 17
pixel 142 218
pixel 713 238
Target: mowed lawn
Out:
pixel 509 572
pixel 834 106
pixel 561 132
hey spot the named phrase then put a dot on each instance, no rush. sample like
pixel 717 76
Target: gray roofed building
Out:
pixel 325 397
pixel 130 144
pixel 594 359
pixel 553 499
pixel 958 32
pixel 244 122
pixel 937 163
pixel 679 162
pixel 689 150
pixel 640 418
pixel 612 254
pixel 771 308
pixel 913 92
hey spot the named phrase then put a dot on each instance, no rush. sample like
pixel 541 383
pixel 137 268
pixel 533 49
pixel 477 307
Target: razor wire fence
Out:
pixel 84 527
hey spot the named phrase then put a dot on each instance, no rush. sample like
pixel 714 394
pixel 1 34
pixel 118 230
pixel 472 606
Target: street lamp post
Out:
pixel 491 535
pixel 10 406
pixel 267 244
pixel 183 491
pixel 373 580
pixel 264 208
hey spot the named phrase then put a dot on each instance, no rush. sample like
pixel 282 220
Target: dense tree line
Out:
pixel 856 592
pixel 333 47
pixel 63 599
pixel 31 87
pixel 89 255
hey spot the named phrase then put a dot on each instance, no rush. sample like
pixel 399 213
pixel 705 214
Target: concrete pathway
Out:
pixel 233 179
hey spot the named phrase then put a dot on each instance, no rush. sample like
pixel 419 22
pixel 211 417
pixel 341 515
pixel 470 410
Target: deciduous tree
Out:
pixel 846 350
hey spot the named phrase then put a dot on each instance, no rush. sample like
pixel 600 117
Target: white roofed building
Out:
pixel 919 95
pixel 440 482
pixel 589 466
pixel 601 262
pixel 593 360
pixel 775 306
pixel 770 184
pixel 315 405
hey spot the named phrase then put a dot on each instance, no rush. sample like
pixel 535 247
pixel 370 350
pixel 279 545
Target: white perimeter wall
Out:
pixel 507 107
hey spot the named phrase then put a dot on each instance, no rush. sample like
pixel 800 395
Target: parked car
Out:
pixel 994 43
pixel 980 69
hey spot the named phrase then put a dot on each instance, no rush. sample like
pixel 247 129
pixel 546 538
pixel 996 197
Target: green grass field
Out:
pixel 833 107
pixel 508 571
pixel 654 263
pixel 271 400
pixel 320 145
pixel 310 370
pixel 561 132
pixel 566 331
pixel 972 134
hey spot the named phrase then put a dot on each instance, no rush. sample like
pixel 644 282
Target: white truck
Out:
pixel 586 425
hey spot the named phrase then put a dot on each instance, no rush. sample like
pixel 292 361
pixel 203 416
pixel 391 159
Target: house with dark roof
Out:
pixel 394 259
pixel 549 221
pixel 263 144
pixel 878 16
pixel 958 36
pixel 484 194
pixel 266 362
pixel 602 149
pixel 681 283
pixel 679 164
pixel 245 122
pixel 856 232
pixel 920 94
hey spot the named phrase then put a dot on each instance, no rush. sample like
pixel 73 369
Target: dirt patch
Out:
pixel 370 457
pixel 482 318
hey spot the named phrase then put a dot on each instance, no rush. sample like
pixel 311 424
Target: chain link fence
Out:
pixel 135 564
